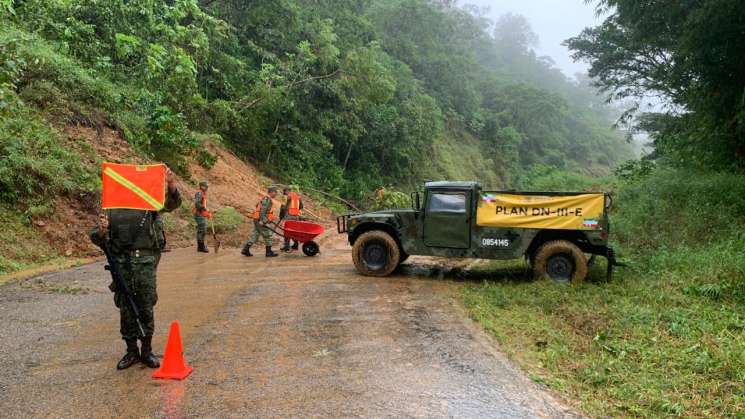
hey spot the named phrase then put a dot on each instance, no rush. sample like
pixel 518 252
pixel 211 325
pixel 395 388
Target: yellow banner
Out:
pixel 574 212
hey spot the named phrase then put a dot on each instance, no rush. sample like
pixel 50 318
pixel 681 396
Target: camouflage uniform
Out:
pixel 259 228
pixel 201 220
pixel 136 239
pixel 283 215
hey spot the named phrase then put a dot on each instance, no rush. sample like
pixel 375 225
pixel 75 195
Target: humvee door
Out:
pixel 447 219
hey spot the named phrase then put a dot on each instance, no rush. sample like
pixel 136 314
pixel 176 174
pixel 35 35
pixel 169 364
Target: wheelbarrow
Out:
pixel 301 231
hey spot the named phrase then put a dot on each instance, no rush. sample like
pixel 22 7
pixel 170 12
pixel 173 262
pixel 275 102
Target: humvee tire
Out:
pixel 561 261
pixel 376 253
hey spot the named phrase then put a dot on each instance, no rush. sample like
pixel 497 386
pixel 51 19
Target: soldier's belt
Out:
pixel 141 252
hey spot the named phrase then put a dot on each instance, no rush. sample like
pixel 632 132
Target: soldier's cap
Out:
pixel 272 189
pixel 204 184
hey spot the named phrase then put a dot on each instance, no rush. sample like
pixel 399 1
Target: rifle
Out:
pixel 121 285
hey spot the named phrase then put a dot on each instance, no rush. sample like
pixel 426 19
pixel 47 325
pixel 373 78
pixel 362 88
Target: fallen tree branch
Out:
pixel 347 203
pixel 314 78
pixel 312 215
pixel 256 101
pixel 252 103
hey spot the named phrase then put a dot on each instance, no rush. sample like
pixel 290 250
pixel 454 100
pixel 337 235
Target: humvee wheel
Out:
pixel 375 253
pixel 561 261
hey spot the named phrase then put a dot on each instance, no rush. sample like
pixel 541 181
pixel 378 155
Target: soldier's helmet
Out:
pixel 272 189
pixel 204 184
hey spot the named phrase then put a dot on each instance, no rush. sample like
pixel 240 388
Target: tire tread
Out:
pixel 394 253
pixel 551 248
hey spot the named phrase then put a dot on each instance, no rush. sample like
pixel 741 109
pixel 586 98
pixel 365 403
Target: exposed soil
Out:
pixel 233 183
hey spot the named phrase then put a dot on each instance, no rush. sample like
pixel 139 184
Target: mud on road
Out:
pixel 289 337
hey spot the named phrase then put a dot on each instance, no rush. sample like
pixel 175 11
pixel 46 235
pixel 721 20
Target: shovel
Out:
pixel 214 236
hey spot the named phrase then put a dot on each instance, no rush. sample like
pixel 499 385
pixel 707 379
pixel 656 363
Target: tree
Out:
pixel 689 55
pixel 514 31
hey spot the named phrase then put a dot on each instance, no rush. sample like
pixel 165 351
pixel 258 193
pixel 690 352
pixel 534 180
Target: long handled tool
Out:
pixel 214 236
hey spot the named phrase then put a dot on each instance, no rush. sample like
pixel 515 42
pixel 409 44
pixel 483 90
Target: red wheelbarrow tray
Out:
pixel 302 231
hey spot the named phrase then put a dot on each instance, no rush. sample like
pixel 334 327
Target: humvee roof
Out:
pixel 446 184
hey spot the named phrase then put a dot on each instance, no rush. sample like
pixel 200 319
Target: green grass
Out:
pixel 21 247
pixel 646 344
pixel 34 164
pixel 667 336
pixel 460 156
pixel 227 220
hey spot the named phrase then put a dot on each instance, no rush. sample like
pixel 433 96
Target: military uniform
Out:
pixel 136 239
pixel 291 210
pixel 201 215
pixel 262 215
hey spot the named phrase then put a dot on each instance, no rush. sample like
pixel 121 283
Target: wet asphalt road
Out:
pixel 287 337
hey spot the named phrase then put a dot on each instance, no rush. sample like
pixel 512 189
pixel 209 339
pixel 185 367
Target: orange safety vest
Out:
pixel 257 211
pixel 293 207
pixel 205 212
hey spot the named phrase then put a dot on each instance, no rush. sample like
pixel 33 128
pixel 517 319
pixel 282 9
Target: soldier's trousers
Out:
pixel 291 218
pixel 254 237
pixel 140 277
pixel 201 228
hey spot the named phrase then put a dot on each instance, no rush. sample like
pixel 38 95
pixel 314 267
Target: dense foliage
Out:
pixel 350 95
pixel 346 96
pixel 667 336
pixel 686 55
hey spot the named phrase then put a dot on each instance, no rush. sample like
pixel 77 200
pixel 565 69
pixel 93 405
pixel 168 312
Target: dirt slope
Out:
pixel 235 183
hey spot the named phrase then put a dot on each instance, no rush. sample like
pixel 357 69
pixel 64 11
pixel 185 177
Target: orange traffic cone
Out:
pixel 174 366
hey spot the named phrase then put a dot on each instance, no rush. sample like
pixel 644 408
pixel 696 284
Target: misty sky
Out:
pixel 552 20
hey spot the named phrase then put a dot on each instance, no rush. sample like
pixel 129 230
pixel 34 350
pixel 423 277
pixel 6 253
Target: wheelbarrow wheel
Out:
pixel 310 248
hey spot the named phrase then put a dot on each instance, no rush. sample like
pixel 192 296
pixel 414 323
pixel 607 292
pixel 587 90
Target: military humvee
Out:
pixel 553 231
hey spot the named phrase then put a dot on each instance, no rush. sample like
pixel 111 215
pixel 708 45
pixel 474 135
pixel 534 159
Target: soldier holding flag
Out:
pixel 131 233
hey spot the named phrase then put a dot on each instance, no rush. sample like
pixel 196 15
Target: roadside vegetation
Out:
pixel 345 97
pixel 342 97
pixel 666 337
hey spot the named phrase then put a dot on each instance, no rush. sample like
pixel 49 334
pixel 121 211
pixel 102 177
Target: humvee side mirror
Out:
pixel 415 201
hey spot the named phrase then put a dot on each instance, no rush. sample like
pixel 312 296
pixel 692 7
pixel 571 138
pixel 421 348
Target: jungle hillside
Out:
pixel 341 96
pixel 348 96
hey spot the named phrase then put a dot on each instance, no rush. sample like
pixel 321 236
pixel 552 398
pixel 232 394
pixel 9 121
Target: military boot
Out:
pixel 286 247
pixel 295 245
pixel 147 356
pixel 131 357
pixel 270 253
pixel 202 248
pixel 246 251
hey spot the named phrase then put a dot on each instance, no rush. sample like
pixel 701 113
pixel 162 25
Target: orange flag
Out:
pixel 134 186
